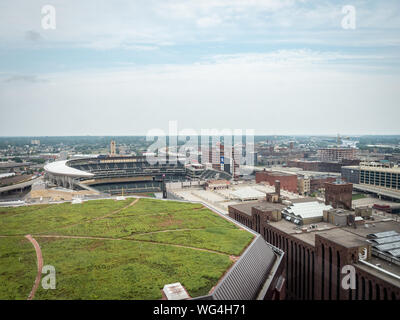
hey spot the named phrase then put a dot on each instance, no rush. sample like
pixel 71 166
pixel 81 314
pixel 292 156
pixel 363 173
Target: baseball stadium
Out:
pixel 127 175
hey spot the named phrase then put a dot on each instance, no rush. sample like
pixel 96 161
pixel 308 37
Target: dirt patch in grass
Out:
pixel 95 245
pixel 41 240
pixel 171 221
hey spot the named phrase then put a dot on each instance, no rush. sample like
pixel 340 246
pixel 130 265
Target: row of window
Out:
pixel 300 266
pixel 245 221
pixel 383 179
pixel 300 273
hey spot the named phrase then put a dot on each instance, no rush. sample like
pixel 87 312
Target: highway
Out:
pixel 379 191
pixel 17 186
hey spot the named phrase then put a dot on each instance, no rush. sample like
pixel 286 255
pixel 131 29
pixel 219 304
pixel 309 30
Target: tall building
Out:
pixel 303 184
pixel 35 142
pixel 338 194
pixel 113 149
pixel 223 159
pixel 380 176
pixel 336 154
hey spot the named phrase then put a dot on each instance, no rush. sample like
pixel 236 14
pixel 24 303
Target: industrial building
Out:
pixel 317 251
pixel 288 181
pixel 338 194
pixel 322 166
pixel 336 154
pixel 301 213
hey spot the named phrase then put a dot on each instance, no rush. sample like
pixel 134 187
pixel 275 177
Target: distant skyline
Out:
pixel 120 68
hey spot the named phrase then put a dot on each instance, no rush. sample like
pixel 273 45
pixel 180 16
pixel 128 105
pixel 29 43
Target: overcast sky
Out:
pixel 125 67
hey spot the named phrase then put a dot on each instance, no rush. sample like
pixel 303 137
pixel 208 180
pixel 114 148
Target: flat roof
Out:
pixel 248 193
pixel 351 167
pixel 277 173
pixel 347 237
pixel 343 238
pixel 383 264
pixel 262 205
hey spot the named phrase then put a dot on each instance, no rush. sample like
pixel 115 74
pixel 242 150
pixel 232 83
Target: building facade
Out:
pixel 322 166
pixel 383 177
pixel 288 181
pixel 351 174
pixel 315 257
pixel 338 194
pixel 336 154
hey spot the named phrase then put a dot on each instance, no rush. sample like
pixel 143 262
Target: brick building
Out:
pixel 288 182
pixel 336 154
pixel 338 194
pixel 318 182
pixel 322 166
pixel 315 255
pixel 305 165
pixel 216 184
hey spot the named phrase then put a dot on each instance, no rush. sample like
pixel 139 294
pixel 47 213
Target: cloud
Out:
pixel 286 92
pixel 24 79
pixel 105 25
pixel 274 65
pixel 208 22
pixel 33 36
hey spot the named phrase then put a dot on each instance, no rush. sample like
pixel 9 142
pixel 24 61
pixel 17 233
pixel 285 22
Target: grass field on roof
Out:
pixel 109 249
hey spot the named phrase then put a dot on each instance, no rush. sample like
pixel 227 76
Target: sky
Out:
pixel 279 67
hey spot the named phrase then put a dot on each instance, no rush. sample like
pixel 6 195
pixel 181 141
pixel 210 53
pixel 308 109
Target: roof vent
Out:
pixel 175 291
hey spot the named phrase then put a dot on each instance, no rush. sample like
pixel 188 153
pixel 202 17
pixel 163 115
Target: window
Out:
pixel 377 292
pixel 323 273
pixel 338 284
pixel 362 288
pixel 330 275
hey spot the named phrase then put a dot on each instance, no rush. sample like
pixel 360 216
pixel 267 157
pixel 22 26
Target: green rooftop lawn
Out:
pixel 98 269
pixel 17 268
pixel 152 206
pixel 123 225
pixel 227 240
pixel 143 246
pixel 21 220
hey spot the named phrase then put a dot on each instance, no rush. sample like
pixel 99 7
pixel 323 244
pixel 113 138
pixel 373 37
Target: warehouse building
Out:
pixel 288 181
pixel 316 253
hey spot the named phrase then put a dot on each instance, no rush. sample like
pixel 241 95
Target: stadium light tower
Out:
pixel 164 188
pixel 113 149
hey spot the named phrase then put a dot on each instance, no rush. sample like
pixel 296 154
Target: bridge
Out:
pixel 392 194
pixel 19 186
